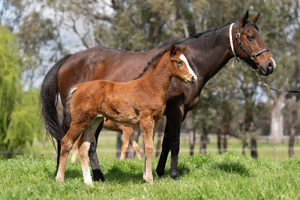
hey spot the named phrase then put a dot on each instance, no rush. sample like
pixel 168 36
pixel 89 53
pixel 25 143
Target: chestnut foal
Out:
pixel 141 101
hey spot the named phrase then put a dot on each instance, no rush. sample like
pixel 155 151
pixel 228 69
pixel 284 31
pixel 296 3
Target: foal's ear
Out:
pixel 245 18
pixel 173 50
pixel 182 49
pixel 255 18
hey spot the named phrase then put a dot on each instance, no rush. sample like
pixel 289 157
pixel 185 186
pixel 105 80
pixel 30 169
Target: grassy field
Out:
pixel 212 176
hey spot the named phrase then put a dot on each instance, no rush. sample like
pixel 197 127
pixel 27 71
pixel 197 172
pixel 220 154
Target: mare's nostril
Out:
pixel 270 67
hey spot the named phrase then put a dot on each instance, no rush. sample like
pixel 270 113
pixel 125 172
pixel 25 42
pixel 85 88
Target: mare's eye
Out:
pixel 179 62
pixel 250 38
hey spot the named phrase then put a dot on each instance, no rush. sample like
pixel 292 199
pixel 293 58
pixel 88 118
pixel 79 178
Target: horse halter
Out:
pixel 240 44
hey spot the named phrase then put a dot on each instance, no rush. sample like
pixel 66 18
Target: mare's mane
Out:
pixel 166 45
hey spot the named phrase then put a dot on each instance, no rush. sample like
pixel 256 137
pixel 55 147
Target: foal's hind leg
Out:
pixel 84 145
pixel 127 132
pixel 66 145
pixel 136 148
pixel 75 151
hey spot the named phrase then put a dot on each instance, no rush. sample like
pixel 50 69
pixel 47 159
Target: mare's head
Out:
pixel 180 66
pixel 250 47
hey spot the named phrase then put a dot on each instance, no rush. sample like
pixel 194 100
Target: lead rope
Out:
pixel 274 89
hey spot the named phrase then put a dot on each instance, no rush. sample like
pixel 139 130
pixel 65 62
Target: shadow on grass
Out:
pixel 73 173
pixel 118 174
pixel 233 167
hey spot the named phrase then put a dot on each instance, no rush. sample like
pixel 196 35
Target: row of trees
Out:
pixel 233 102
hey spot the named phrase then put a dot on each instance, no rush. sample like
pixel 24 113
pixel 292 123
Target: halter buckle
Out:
pixel 238 35
pixel 252 57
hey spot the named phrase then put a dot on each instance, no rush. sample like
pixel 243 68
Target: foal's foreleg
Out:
pixel 147 127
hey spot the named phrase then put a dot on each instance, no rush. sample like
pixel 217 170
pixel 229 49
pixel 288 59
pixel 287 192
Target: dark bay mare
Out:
pixel 141 101
pixel 207 53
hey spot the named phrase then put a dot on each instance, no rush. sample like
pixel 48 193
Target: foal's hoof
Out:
pixel 149 181
pixel 89 184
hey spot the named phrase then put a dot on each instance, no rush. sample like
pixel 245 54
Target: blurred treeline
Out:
pixel 35 34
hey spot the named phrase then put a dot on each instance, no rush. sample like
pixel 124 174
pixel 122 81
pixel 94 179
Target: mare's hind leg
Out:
pixel 97 173
pixel 84 145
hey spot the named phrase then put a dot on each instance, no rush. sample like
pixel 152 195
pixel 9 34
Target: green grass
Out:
pixel 212 176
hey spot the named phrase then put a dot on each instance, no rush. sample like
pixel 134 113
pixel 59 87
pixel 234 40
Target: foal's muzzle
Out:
pixel 192 81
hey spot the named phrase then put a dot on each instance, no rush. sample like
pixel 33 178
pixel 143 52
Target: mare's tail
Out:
pixel 49 99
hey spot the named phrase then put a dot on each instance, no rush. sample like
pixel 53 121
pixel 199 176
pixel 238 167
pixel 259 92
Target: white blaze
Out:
pixel 183 58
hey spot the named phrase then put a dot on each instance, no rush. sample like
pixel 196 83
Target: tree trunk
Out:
pixel 203 142
pixel 160 132
pixel 293 127
pixel 119 144
pixel 276 133
pixel 253 146
pixel 219 139
pixel 192 141
pixel 292 141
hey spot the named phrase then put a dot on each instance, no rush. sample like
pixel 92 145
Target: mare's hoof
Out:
pixel 174 175
pixel 159 174
pixel 98 175
pixel 175 178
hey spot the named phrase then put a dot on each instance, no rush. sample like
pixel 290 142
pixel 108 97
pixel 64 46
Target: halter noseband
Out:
pixel 240 44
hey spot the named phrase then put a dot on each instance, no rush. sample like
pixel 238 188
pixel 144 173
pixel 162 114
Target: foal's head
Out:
pixel 180 66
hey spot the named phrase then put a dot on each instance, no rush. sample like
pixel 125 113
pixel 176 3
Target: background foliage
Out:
pixel 234 102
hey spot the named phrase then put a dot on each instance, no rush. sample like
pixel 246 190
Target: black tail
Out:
pixel 49 99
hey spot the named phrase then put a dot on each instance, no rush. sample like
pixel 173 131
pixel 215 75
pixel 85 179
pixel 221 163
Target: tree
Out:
pixel 9 80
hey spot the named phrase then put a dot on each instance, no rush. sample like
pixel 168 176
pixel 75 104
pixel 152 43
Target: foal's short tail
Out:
pixel 49 99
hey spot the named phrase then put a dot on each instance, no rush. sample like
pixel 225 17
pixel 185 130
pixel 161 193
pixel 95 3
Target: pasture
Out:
pixel 213 176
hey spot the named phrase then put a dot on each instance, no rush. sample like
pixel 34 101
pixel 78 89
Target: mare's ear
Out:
pixel 182 49
pixel 244 19
pixel 255 18
pixel 173 50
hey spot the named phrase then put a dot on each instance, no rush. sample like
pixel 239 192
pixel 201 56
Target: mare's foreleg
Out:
pixel 147 127
pixel 171 141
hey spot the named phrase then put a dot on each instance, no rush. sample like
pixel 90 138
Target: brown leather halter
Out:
pixel 252 56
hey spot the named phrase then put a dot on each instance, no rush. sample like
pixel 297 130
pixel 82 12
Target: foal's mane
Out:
pixel 153 62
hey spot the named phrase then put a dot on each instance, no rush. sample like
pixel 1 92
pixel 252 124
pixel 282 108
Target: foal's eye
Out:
pixel 250 38
pixel 179 62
